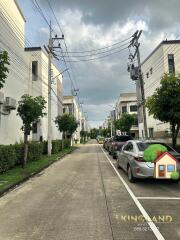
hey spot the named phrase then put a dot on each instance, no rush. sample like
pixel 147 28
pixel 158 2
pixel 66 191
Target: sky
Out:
pixel 89 25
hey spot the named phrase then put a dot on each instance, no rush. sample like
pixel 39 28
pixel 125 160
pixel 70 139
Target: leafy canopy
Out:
pixel 164 104
pixel 125 122
pixel 30 110
pixel 4 61
pixel 66 123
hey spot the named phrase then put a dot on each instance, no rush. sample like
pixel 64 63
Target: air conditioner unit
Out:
pixel 10 103
pixel 1 98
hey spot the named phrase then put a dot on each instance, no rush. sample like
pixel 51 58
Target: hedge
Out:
pixel 12 155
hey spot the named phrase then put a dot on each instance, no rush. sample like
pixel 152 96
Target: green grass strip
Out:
pixel 17 175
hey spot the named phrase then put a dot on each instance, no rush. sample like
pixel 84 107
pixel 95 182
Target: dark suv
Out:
pixel 116 144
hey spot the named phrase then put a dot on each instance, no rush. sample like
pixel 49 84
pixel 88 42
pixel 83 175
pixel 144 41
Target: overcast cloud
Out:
pixel 93 24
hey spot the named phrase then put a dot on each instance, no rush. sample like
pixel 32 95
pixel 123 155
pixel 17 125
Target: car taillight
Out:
pixel 139 159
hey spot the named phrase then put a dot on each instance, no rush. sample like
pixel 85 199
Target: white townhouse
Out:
pixel 38 86
pixel 127 103
pixel 71 106
pixel 28 74
pixel 12 39
pixel 164 59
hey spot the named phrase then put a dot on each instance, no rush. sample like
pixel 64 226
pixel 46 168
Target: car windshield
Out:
pixel 143 145
pixel 122 138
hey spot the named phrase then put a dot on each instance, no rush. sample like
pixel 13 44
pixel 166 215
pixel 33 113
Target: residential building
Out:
pixel 71 106
pixel 127 103
pixel 12 39
pixel 38 86
pixel 164 59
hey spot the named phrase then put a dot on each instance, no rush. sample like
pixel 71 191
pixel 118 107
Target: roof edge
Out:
pixel 17 5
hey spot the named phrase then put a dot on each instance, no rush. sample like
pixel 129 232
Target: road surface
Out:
pixel 84 197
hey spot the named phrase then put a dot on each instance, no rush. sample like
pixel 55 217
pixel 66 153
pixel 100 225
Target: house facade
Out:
pixel 71 106
pixel 164 59
pixel 38 86
pixel 127 103
pixel 12 40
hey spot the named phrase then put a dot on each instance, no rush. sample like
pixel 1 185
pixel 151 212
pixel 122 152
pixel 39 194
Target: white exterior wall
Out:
pixel 158 61
pixel 40 88
pixel 12 40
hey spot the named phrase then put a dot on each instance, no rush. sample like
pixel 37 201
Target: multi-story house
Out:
pixel 12 39
pixel 164 59
pixel 127 103
pixel 71 107
pixel 38 86
pixel 28 74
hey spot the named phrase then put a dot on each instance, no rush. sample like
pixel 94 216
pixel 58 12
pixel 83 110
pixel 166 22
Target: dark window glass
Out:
pixel 34 70
pixel 142 146
pixel 34 127
pixel 151 132
pixel 129 147
pixel 124 109
pixel 171 64
pixel 122 138
pixel 133 108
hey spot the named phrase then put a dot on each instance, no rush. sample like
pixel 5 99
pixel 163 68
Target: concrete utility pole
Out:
pixel 50 46
pixel 50 51
pixel 136 75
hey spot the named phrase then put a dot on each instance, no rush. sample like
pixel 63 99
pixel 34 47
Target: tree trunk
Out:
pixel 63 141
pixel 25 147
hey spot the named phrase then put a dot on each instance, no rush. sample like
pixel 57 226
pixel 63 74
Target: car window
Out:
pixel 143 145
pixel 129 147
pixel 123 138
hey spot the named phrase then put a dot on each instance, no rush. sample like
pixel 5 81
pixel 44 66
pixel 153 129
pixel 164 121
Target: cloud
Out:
pixel 94 24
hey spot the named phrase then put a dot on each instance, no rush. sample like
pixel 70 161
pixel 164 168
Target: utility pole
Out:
pixel 51 54
pixel 136 74
pixel 50 46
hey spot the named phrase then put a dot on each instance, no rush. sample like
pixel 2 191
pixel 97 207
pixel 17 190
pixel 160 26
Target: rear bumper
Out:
pixel 141 170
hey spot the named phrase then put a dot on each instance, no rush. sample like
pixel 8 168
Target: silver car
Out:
pixel 130 159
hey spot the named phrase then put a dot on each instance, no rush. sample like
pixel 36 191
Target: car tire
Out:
pixel 118 164
pixel 131 178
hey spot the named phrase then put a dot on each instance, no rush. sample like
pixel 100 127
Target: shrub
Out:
pixel 175 175
pixel 56 146
pixel 7 158
pixel 35 150
pixel 67 143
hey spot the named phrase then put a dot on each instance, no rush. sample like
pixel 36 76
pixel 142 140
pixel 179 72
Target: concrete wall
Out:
pixel 12 25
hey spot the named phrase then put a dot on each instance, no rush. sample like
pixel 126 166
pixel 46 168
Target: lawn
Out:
pixel 16 175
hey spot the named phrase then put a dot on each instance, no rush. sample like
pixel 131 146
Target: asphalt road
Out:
pixel 84 197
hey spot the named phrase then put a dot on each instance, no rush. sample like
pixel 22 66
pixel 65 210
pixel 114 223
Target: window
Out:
pixel 133 108
pixel 124 109
pixel 151 71
pixel 34 71
pixel 129 147
pixel 147 75
pixel 34 127
pixel 171 64
pixel 151 132
pixel 170 168
pixel 161 167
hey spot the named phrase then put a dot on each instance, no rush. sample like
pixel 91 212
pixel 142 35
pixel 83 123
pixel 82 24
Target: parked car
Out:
pixel 105 144
pixel 130 159
pixel 100 140
pixel 116 144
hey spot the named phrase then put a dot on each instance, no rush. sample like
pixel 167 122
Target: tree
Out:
pixel 66 124
pixel 164 103
pixel 4 61
pixel 30 110
pixel 94 133
pixel 125 122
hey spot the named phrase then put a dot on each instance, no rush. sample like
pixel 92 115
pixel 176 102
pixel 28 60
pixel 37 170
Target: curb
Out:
pixel 12 187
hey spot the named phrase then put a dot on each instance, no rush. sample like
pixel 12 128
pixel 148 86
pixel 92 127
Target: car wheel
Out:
pixel 118 164
pixel 131 178
pixel 114 156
